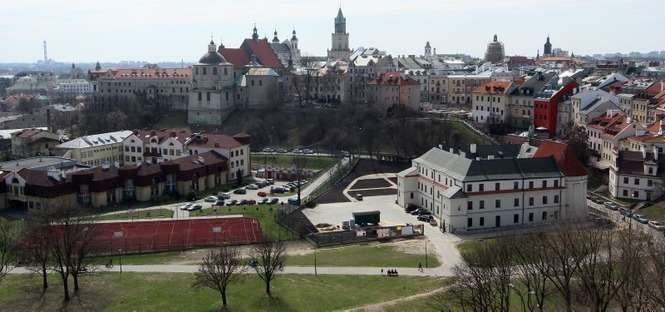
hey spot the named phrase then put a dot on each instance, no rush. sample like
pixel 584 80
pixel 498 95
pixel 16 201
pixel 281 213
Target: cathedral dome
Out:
pixel 212 57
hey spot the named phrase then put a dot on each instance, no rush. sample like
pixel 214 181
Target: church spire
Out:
pixel 255 33
pixel 275 39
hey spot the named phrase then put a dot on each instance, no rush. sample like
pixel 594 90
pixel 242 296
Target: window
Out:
pixel 200 96
pixel 649 182
pixel 469 187
pixel 530 184
pixel 637 181
pixel 469 205
pixel 625 180
pixel 497 203
pixel 482 204
pixel 530 216
pixel 497 186
pixel 544 215
pixel 650 170
pixel 469 222
pixel 516 218
pixel 481 187
pixel 544 183
pixel 481 222
pixel 625 193
pixel 208 96
pixel 530 201
pixel 556 199
pixel 516 185
pixel 556 183
pixel 516 202
pixel 544 200
pixel 214 70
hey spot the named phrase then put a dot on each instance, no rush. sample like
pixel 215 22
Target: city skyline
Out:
pixel 82 31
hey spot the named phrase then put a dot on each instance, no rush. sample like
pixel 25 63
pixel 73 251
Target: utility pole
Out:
pixel 315 270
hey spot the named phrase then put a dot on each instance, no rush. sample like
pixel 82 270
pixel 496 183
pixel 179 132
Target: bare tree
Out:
pixel 9 237
pixel 655 274
pixel 36 251
pixel 530 259
pixel 71 237
pixel 267 258
pixel 633 267
pixel 218 269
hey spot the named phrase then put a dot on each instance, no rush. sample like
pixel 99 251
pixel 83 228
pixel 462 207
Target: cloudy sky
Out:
pixel 171 30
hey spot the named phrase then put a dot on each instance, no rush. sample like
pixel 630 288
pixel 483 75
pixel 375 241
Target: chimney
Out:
pixel 472 148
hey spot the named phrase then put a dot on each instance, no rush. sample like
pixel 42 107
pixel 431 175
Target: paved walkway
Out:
pixel 187 268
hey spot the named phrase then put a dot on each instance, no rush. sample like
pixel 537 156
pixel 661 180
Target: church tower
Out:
pixel 340 39
pixel 547 51
pixel 428 50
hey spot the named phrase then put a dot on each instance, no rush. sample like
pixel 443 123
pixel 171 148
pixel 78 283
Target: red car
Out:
pixel 251 202
pixel 262 194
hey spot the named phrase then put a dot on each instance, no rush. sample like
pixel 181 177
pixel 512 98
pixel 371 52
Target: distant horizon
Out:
pixel 79 31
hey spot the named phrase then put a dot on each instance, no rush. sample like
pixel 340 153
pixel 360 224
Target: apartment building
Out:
pixel 490 102
pixel 637 175
pixel 97 149
pixel 469 194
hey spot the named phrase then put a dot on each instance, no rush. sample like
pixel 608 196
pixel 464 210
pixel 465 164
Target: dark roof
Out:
pixel 212 58
pixel 633 163
pixel 498 151
pixel 213 140
pixel 500 169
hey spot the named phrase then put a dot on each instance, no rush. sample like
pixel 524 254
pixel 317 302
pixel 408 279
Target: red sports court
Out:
pixel 147 235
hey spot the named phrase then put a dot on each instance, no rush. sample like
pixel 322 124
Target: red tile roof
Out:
pixel 150 73
pixel 258 47
pixel 564 157
pixel 655 88
pixel 494 87
pixel 213 140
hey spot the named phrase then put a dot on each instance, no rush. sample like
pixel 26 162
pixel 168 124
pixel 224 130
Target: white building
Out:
pixel 152 146
pixel 470 194
pixel 97 149
pixel 637 175
pixel 235 148
pixel 73 87
pixel 590 104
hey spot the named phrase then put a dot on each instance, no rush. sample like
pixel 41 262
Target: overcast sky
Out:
pixel 171 30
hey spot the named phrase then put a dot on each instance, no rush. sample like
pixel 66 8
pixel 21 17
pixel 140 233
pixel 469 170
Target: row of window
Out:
pixel 516 202
pixel 636 181
pixel 204 70
pixel 497 219
pixel 516 186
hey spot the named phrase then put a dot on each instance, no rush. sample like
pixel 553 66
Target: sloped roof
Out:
pixel 96 140
pixel 212 140
pixel 564 157
pixel 261 48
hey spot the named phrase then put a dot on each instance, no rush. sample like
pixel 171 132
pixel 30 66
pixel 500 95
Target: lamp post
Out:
pixel 120 253
pixel 315 269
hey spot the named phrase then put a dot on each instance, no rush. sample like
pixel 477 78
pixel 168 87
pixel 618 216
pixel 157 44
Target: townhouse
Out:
pixel 606 133
pixel 52 186
pixel 637 175
pixel 489 102
pixel 468 194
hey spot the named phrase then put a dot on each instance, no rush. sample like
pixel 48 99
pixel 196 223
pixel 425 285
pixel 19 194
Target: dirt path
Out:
pixel 378 307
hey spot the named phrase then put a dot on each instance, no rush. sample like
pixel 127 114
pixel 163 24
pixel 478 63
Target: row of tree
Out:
pixel 598 268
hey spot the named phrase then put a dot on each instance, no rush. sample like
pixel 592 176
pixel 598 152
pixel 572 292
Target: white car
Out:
pixel 252 187
pixel 210 199
pixel 657 225
pixel 186 206
pixel 195 207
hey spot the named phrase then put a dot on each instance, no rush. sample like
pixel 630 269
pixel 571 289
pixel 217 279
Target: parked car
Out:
pixel 262 194
pixel 222 195
pixel 281 150
pixel 274 201
pixel 432 222
pixel 424 212
pixel 410 208
pixel 657 225
pixel 186 206
pixel 640 218
pixel 270 181
pixel 243 202
pixel 308 151
pixel 240 191
pixel 610 205
pixel 219 202
pixel 264 201
pixel 294 201
pixel 268 150
pixel 425 218
pixel 210 199
pixel 233 202
pixel 251 202
pixel 252 187
pixel 261 184
pixel 277 190
pixel 195 207
pixel 416 212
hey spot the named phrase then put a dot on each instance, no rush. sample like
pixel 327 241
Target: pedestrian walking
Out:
pixel 420 266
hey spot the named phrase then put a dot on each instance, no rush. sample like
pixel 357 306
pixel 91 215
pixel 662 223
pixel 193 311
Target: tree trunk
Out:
pixel 44 278
pixel 268 288
pixel 224 298
pixel 65 287
pixel 76 282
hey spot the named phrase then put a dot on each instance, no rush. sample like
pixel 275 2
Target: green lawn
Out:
pixel 158 213
pixel 140 259
pixel 468 247
pixel 654 212
pixel 286 161
pixel 266 214
pixel 359 255
pixel 173 292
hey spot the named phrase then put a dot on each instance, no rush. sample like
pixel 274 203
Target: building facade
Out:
pixel 96 150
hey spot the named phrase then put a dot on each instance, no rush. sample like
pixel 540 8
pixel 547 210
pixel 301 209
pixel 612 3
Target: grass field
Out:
pixel 140 259
pixel 367 256
pixel 286 161
pixel 173 292
pixel 654 212
pixel 266 214
pixel 140 214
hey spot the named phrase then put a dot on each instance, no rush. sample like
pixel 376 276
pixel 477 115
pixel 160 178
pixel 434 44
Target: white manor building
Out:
pixel 474 192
